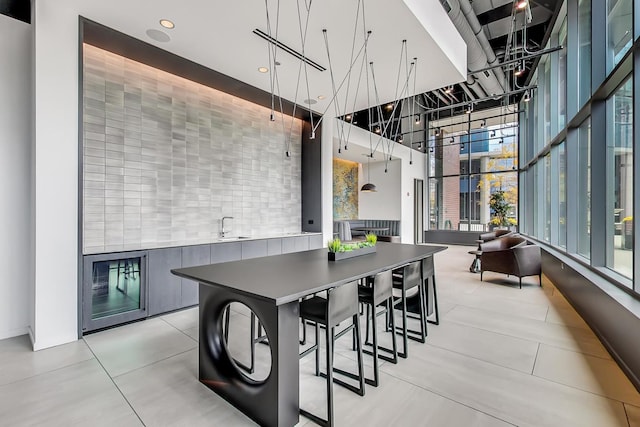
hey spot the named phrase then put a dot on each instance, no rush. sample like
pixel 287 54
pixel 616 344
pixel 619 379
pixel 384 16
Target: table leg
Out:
pixel 274 401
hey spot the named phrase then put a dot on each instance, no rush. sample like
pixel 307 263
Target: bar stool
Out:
pixel 340 304
pixel 429 277
pixel 378 292
pixel 406 279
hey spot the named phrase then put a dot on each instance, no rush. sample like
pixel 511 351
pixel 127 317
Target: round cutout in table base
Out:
pixel 237 326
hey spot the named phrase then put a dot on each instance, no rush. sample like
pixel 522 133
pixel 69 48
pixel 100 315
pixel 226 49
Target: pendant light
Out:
pixel 369 187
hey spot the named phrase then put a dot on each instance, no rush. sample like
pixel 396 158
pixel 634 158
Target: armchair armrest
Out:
pixel 528 259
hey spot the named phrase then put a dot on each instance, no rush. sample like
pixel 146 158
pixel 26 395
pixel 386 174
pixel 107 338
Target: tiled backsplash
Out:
pixel 166 158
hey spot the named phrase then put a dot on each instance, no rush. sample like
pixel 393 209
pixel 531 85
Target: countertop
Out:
pixel 195 242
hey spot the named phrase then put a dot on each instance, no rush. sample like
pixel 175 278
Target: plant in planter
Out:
pixel 334 245
pixel 372 238
pixel 339 250
pixel 499 209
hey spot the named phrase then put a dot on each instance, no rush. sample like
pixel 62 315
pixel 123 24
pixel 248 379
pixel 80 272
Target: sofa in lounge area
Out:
pixel 511 255
pixel 344 229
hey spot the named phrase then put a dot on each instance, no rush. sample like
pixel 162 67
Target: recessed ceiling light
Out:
pixel 263 69
pixel 321 97
pixel 310 101
pixel 521 4
pixel 167 24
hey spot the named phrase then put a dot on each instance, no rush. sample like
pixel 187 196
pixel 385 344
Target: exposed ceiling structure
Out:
pixel 505 40
pixel 504 35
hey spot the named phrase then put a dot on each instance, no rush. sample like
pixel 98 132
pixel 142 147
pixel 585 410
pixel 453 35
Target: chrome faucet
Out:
pixel 223 232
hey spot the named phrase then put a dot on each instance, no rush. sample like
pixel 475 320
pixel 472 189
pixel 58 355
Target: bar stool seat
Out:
pixel 340 304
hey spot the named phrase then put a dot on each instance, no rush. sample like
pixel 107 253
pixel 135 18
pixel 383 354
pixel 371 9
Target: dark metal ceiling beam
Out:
pixel 522 58
pixel 489 98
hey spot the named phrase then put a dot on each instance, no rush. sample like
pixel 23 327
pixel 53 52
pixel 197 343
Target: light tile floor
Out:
pixel 501 356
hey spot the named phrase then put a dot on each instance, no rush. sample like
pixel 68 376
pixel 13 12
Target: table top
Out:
pixel 285 278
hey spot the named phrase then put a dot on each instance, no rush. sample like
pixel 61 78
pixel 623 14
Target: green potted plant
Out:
pixel 339 250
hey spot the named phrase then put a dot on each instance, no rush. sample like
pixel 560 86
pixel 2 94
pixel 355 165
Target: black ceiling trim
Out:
pixel 122 44
pixel 258 32
pixel 17 9
pixel 496 14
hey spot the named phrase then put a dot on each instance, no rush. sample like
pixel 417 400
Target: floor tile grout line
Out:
pixel 154 362
pixel 622 402
pixel 493 332
pixel 51 370
pixel 438 393
pixel 514 336
pixel 179 330
pixel 535 359
pixel 610 358
pixel 626 414
pixel 114 383
pixel 477 358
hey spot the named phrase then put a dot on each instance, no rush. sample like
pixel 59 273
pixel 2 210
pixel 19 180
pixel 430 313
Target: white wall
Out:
pixel 55 145
pixel 16 40
pixel 386 202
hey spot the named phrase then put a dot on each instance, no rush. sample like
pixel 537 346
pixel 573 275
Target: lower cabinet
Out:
pixel 254 249
pixel 315 241
pixel 192 256
pixel 165 289
pixel 295 244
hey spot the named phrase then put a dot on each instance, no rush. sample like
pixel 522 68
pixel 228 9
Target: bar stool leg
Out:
pixel 394 340
pixel 329 337
pixel 435 301
pixel 317 350
pixel 405 341
pixel 375 353
pixel 423 306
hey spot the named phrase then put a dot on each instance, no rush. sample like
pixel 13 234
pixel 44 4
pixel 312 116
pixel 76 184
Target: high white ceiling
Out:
pixel 218 34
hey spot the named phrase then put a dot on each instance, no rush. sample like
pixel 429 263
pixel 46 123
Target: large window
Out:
pixel 584 189
pixel 584 51
pixel 620 180
pixel 577 182
pixel 466 169
pixel 619 26
pixel 562 76
pixel 546 66
pixel 547 197
pixel 562 195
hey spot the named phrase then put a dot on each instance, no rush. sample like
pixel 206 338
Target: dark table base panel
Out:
pixel 273 402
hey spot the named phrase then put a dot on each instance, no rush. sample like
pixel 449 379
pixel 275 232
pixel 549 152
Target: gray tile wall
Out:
pixel 165 158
